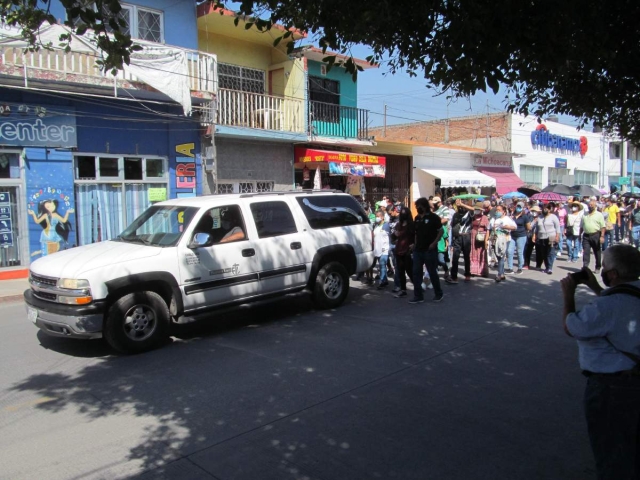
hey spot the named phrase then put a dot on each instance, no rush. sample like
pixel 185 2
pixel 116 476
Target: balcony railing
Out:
pixel 56 65
pixel 330 120
pixel 264 112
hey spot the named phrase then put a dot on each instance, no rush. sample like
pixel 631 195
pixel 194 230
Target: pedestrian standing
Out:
pixel 381 233
pixel 405 238
pixel 428 230
pixel 634 222
pixel 572 231
pixel 519 236
pixel 534 211
pixel 593 230
pixel 611 215
pixel 561 213
pixel 501 226
pixel 479 242
pixel 609 352
pixel 546 236
pixel 462 239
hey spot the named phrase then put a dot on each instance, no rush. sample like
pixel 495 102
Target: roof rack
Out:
pixel 288 192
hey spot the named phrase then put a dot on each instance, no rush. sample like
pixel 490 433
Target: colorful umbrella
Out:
pixel 558 188
pixel 549 197
pixel 514 194
pixel 466 196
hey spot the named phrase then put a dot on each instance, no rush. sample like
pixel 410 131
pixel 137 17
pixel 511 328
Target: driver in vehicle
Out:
pixel 231 226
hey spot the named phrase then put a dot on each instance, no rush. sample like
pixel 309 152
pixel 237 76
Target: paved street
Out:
pixel 484 385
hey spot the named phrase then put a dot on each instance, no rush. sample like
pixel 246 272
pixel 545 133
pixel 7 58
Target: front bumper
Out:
pixel 68 321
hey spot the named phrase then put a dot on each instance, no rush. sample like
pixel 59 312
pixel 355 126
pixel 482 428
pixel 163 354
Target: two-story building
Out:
pixel 83 152
pixel 281 117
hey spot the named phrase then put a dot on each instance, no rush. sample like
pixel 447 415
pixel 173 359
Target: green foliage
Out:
pixel 573 58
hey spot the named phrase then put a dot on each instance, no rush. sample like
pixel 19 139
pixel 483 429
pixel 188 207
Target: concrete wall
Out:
pixel 424 184
pixel 179 19
pixel 241 160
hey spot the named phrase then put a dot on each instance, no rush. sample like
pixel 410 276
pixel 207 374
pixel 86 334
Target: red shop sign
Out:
pixel 309 155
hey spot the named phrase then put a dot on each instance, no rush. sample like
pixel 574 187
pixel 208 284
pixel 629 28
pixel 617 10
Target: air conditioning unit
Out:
pixel 323 70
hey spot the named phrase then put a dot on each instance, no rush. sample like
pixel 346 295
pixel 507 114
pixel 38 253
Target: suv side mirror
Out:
pixel 200 240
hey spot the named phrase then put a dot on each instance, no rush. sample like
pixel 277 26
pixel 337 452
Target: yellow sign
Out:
pixel 157 194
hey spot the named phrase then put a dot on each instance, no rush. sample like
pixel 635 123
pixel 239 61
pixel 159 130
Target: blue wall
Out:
pixel 180 27
pixel 348 88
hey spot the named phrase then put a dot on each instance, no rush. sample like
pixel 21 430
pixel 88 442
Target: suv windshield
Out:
pixel 159 226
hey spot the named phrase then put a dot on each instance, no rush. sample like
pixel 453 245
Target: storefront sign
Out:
pixel 38 126
pixel 185 176
pixel 6 227
pixel 561 163
pixel 157 194
pixel 624 180
pixel 541 138
pixel 479 161
pixel 343 163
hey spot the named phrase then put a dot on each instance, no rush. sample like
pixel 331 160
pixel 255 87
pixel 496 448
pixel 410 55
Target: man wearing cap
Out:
pixel 593 228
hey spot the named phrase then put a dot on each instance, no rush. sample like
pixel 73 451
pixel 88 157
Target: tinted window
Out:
pixel 328 211
pixel 273 218
pixel 224 224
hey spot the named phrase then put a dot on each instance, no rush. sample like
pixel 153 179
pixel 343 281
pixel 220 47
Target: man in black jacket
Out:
pixel 461 233
pixel 428 228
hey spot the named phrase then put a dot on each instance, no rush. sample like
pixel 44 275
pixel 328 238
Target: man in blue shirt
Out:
pixel 608 335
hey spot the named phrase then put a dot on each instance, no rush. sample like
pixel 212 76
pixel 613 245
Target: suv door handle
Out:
pixel 295 245
pixel 248 252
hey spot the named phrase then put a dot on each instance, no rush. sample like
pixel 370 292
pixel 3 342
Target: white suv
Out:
pixel 183 258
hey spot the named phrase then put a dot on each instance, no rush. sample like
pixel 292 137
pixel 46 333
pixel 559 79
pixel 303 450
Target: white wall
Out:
pixel 423 184
pixel 594 160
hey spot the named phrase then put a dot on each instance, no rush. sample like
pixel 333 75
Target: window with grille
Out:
pixel 325 99
pixel 264 186
pixel 531 175
pixel 142 23
pixel 244 187
pixel 556 174
pixel 242 79
pixel 225 188
pixel 583 177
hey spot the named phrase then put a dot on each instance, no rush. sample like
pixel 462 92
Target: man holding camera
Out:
pixel 608 338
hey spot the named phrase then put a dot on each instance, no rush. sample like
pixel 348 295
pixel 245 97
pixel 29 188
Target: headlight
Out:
pixel 84 300
pixel 72 284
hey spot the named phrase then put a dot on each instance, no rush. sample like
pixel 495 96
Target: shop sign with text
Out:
pixel 542 138
pixel 479 161
pixel 343 163
pixel 38 126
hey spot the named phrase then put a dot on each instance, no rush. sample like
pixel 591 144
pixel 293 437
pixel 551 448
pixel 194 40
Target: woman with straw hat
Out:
pixel 572 230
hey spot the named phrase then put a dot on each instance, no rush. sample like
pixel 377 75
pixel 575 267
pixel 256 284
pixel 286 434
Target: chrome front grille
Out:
pixel 45 296
pixel 44 288
pixel 44 281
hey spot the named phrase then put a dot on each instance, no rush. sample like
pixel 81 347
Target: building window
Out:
pixel 583 177
pixel 556 174
pixel 615 150
pixel 9 165
pixel 325 99
pixel 142 23
pixel 244 187
pixel 113 191
pixel 242 79
pixel 531 175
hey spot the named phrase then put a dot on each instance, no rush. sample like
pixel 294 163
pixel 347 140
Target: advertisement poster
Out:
pixel 50 201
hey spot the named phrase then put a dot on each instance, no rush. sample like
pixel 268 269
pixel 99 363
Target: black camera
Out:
pixel 580 277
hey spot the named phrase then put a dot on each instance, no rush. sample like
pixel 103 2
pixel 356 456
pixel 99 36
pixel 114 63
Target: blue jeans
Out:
pixel 428 258
pixel 382 261
pixel 608 239
pixel 573 246
pixel 561 242
pixel 500 266
pixel 635 234
pixel 553 251
pixel 511 246
pixel 520 242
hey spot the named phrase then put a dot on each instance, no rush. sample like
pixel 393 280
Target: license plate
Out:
pixel 32 314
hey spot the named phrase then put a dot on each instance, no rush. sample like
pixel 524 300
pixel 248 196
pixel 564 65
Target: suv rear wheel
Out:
pixel 137 322
pixel 332 286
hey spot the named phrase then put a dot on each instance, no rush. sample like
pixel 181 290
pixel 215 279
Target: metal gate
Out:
pixel 396 183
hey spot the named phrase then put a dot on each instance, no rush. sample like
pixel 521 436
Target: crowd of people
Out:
pixel 497 234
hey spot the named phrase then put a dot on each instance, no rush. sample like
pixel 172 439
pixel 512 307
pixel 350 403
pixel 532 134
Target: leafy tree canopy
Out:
pixel 573 58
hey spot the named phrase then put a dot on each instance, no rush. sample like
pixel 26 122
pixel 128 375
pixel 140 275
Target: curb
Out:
pixel 12 298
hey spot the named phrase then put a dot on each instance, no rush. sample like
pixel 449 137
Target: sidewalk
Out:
pixel 12 290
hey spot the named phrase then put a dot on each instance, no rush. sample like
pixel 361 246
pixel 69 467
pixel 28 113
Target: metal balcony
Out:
pixel 330 120
pixel 264 112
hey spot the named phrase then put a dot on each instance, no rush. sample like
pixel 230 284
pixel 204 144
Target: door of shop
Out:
pixel 11 235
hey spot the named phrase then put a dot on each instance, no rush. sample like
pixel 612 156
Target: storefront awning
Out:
pixel 506 180
pixel 461 178
pixel 342 163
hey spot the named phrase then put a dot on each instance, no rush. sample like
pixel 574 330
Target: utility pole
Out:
pixel 623 163
pixel 384 127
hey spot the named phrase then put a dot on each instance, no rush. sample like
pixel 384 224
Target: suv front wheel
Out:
pixel 331 287
pixel 137 322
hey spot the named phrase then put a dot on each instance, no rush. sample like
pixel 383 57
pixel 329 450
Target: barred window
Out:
pixel 243 79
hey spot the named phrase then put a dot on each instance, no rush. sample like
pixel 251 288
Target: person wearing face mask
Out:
pixel 479 242
pixel 462 240
pixel 405 237
pixel 428 229
pixel 593 229
pixel 546 236
pixel 534 213
pixel 501 227
pixel 381 233
pixel 231 226
pixel 519 238
pixel 572 231
pixel 609 354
